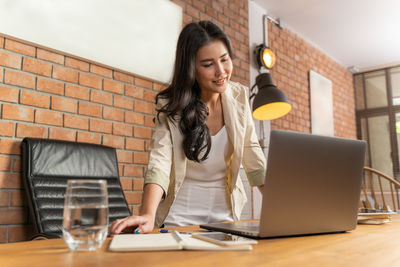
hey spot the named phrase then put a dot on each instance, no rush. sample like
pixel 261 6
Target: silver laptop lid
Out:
pixel 312 184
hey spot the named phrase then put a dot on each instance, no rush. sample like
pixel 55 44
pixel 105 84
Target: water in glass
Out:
pixel 85 214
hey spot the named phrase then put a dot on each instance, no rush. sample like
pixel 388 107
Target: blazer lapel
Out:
pixel 233 111
pixel 179 158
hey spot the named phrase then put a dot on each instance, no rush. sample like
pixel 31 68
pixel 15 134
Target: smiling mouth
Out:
pixel 220 81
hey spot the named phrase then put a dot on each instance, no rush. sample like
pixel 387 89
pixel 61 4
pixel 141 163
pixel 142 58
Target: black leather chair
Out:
pixel 46 167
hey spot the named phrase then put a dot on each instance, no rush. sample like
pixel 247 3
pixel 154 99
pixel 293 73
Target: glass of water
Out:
pixel 85 221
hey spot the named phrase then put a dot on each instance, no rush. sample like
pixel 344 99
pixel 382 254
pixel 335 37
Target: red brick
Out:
pixel 120 169
pixel 1 46
pixel 149 96
pixel 13 216
pixel 143 83
pixel 49 117
pixel 65 74
pixel 88 109
pixel 101 97
pixel 4 198
pixel 8 94
pixel 18 199
pixel 20 48
pixel 19 233
pixel 76 122
pixel 134 117
pixel 138 184
pixel 10 180
pixel 50 86
pixel 133 170
pixel 32 98
pixel 188 19
pixel 90 80
pixel 25 130
pixel 3 231
pixel 113 141
pixel 7 128
pixel 144 107
pixel 193 12
pixel 149 121
pixel 50 56
pixel 133 197
pixel 10 147
pixel 10 60
pixel 77 92
pixel 123 77
pixel 113 86
pixel 1 75
pixel 5 163
pixel 124 156
pixel 134 144
pixel 211 12
pixel 76 64
pixel 62 134
pixel 122 129
pixel 19 79
pixel 123 102
pixel 126 184
pixel 100 126
pixel 36 66
pixel 158 87
pixel 101 71
pixel 134 91
pixel 140 157
pixel 19 113
pixel 17 164
pixel 142 132
pixel 113 114
pixel 86 137
pixel 199 5
pixel 64 104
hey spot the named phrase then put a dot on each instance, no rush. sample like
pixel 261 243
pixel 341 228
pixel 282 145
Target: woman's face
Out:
pixel 213 67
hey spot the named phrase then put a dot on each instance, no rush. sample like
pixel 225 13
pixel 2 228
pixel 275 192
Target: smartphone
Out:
pixel 224 239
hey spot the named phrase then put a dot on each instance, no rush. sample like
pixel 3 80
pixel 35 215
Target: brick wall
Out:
pixel 45 93
pixel 295 58
pixel 48 94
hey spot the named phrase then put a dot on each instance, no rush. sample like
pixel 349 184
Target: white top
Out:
pixel 203 196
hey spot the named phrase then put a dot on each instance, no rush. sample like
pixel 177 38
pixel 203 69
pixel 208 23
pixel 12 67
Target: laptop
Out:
pixel 312 186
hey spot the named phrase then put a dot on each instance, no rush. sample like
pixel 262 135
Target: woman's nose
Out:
pixel 219 69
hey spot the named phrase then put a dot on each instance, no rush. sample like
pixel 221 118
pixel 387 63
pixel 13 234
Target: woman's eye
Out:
pixel 208 65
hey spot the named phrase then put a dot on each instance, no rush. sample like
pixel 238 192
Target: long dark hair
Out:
pixel 184 95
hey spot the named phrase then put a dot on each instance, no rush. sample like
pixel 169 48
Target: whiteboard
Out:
pixel 137 36
pixel 321 105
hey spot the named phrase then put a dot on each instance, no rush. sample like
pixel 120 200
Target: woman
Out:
pixel 203 133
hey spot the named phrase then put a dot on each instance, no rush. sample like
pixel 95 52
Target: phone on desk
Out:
pixel 224 239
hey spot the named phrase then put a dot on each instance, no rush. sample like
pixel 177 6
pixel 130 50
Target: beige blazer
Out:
pixel 167 162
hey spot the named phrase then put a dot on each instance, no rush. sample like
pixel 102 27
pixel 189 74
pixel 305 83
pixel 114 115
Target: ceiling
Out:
pixel 360 33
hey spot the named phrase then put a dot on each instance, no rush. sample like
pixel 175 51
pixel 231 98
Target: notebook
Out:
pixel 165 241
pixel 312 186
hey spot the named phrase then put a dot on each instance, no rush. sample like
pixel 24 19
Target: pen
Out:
pixel 178 237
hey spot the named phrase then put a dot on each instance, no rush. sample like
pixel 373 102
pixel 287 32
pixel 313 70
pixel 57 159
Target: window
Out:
pixel 378 117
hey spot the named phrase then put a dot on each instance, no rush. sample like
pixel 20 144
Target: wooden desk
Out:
pixel 368 245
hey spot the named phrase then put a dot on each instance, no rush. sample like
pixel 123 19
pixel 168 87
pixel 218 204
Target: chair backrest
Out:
pixel 47 165
pixel 379 191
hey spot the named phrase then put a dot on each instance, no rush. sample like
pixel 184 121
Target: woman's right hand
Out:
pixel 139 224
